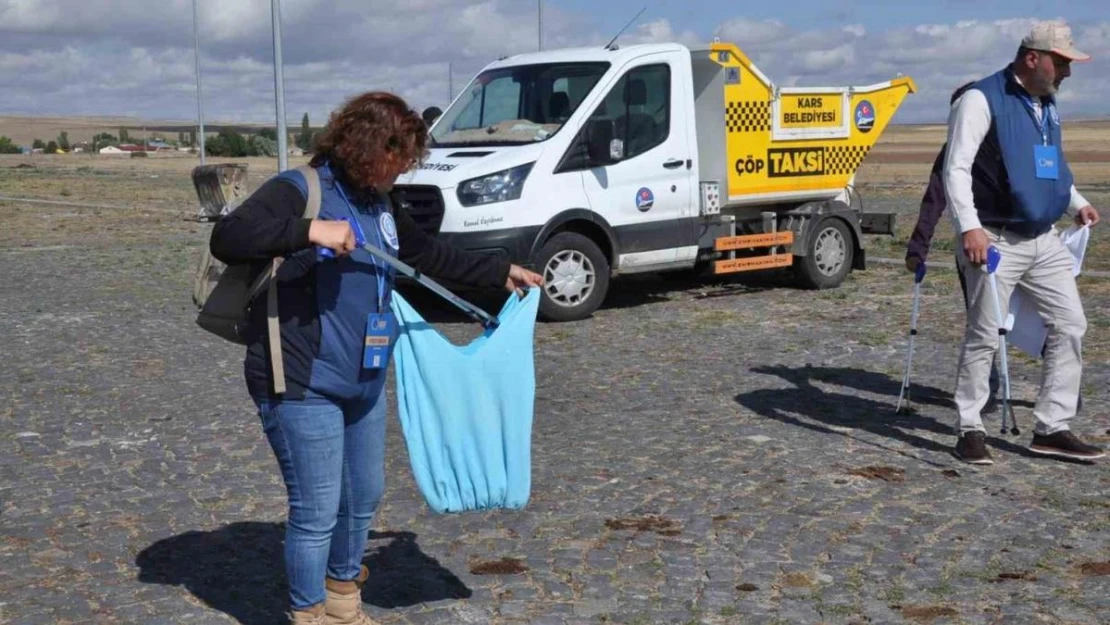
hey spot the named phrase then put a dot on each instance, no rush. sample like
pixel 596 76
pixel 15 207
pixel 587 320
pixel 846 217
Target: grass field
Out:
pixel 892 178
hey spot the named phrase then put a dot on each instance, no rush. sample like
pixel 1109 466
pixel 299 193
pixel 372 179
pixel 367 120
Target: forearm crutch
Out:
pixel 918 276
pixel 994 257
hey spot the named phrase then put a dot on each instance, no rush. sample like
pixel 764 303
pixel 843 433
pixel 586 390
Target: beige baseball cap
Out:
pixel 1054 36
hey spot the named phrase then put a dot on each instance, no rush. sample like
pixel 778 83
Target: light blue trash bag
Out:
pixel 466 410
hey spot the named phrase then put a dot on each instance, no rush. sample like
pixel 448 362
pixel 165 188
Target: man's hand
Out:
pixel 911 263
pixel 975 245
pixel 519 277
pixel 1087 215
pixel 335 235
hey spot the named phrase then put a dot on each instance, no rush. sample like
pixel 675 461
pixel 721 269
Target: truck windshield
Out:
pixel 512 105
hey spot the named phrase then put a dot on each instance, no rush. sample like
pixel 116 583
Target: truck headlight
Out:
pixel 497 187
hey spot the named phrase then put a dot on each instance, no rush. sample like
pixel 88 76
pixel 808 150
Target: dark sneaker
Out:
pixel 972 448
pixel 1065 445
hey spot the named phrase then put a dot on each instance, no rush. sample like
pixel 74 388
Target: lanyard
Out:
pixel 1044 123
pixel 379 270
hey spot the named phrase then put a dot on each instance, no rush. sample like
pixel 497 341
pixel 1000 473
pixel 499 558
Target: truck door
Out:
pixel 647 196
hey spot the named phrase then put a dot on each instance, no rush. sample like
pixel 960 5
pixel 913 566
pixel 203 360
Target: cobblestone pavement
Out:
pixel 702 453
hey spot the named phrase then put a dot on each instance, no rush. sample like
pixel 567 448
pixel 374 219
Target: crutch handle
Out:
pixel 919 273
pixel 994 257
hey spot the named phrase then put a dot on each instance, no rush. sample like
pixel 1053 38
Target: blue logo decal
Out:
pixel 865 116
pixel 389 231
pixel 644 199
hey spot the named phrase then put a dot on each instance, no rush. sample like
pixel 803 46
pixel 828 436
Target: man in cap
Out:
pixel 1007 182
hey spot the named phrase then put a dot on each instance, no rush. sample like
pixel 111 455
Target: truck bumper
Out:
pixel 513 244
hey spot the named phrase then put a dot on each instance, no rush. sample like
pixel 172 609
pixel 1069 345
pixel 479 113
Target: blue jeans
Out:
pixel 332 457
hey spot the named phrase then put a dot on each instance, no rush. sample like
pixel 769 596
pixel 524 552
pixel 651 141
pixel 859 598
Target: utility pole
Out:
pixel 200 105
pixel 279 89
pixel 450 83
pixel 539 25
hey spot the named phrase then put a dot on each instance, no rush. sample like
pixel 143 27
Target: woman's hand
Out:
pixel 519 278
pixel 335 235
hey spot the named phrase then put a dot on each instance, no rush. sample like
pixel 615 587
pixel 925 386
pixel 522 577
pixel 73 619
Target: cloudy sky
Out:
pixel 135 57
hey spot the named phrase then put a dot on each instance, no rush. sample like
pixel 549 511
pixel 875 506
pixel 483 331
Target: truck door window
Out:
pixel 639 104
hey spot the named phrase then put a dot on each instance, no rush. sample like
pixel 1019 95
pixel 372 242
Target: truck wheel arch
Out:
pixel 582 221
pixel 815 212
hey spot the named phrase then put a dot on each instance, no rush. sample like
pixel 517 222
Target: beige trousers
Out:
pixel 1044 267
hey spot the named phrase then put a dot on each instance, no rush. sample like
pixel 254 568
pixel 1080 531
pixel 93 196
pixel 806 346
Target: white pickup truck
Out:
pixel 592 162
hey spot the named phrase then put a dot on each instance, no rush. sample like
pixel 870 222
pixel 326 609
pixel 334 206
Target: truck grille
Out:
pixel 426 206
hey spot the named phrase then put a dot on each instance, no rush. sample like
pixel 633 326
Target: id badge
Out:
pixel 379 336
pixel 1047 166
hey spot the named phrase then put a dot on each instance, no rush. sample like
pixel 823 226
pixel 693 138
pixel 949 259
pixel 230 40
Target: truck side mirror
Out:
pixel 602 145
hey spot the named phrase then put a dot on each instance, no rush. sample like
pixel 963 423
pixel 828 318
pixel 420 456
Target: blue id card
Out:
pixel 379 336
pixel 1045 158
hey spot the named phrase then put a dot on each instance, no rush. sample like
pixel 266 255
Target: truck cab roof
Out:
pixel 616 55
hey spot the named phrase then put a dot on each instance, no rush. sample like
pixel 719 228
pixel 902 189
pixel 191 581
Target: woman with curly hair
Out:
pixel 325 420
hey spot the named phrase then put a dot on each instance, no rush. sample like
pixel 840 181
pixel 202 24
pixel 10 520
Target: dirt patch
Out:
pixel 950 473
pixel 749 587
pixel 887 474
pixel 927 613
pixel 504 566
pixel 1024 576
pixel 796 580
pixel 1094 569
pixel 650 523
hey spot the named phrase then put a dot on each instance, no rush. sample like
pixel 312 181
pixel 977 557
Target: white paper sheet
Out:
pixel 1028 332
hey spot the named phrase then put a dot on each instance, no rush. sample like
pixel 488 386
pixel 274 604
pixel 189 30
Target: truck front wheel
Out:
pixel 575 274
pixel 829 255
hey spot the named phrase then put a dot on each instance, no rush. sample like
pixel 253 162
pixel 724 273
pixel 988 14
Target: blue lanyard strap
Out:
pixel 1044 121
pixel 380 270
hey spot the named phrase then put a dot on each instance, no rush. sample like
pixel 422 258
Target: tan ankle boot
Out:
pixel 309 616
pixel 343 605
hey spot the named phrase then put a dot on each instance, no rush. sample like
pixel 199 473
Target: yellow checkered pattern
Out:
pixel 844 159
pixel 748 116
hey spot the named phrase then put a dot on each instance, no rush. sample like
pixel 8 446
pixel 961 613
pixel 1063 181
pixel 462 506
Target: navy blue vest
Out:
pixel 1006 190
pixel 345 291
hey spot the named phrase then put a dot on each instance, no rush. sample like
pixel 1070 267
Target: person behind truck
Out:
pixel 430 115
pixel 1008 123
pixel 933 204
pixel 327 430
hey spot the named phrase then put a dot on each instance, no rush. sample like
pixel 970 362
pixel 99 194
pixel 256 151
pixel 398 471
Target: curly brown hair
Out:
pixel 374 137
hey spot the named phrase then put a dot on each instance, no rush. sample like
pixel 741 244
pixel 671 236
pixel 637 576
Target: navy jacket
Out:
pixel 324 303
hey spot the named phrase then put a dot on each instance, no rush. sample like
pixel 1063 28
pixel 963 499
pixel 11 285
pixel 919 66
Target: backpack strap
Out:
pixel 312 209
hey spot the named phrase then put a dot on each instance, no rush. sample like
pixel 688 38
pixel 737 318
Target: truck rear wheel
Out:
pixel 828 256
pixel 576 277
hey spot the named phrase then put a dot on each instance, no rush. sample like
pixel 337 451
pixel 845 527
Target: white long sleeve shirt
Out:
pixel 968 123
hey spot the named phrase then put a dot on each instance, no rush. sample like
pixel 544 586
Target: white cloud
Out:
pixel 135 57
pixel 855 29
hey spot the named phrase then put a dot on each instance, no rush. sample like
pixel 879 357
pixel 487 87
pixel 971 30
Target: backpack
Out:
pixel 223 293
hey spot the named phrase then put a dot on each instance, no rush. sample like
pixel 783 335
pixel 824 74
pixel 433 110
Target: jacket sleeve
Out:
pixel 266 225
pixel 932 207
pixel 440 259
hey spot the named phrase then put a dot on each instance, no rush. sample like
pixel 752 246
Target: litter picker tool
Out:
pixel 918 276
pixel 487 320
pixel 994 257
